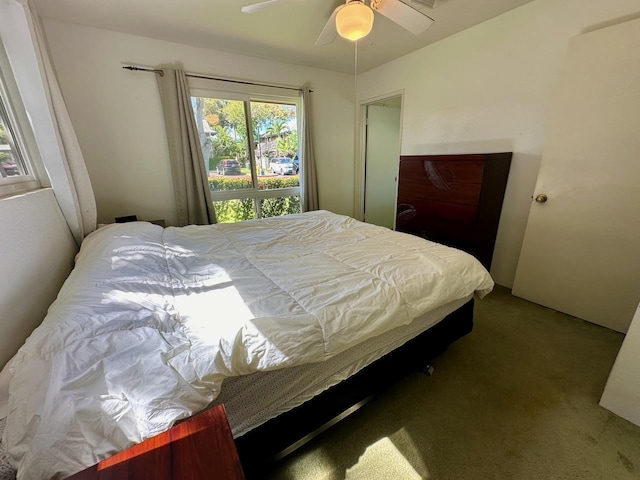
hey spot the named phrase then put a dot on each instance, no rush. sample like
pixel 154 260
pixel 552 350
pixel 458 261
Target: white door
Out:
pixel 581 251
pixel 382 158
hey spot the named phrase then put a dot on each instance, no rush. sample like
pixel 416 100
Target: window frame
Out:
pixel 255 194
pixel 21 137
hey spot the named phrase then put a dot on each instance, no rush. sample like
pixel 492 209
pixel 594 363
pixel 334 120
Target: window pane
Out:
pixel 226 133
pixel 275 131
pixel 222 127
pixel 274 207
pixel 230 211
pixel 10 166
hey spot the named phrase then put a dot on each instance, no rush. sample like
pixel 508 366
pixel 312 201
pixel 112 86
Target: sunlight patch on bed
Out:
pixel 214 314
pixel 382 460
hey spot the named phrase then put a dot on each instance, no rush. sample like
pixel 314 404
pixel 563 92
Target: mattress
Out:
pixel 251 400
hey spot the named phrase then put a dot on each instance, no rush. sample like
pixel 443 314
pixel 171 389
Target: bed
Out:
pixel 154 325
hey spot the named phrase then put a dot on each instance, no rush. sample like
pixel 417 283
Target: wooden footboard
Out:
pixel 283 434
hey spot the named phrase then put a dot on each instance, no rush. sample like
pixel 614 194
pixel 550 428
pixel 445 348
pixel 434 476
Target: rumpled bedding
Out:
pixel 151 321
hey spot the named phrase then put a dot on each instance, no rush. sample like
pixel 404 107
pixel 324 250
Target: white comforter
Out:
pixel 152 320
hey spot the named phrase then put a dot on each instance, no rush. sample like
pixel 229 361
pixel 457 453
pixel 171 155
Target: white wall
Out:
pixel 622 392
pixel 118 118
pixel 488 89
pixel 36 257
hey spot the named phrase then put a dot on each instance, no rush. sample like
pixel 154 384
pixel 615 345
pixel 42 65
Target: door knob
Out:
pixel 541 198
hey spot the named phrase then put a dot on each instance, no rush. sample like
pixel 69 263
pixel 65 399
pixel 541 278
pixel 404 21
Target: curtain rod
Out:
pixel 160 72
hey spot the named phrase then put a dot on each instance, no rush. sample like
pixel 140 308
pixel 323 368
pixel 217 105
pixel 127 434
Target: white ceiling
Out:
pixel 285 32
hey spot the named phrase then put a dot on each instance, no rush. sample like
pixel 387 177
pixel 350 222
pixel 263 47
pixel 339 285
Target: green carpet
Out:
pixel 515 399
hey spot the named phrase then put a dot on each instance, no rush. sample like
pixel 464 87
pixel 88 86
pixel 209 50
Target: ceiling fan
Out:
pixel 354 19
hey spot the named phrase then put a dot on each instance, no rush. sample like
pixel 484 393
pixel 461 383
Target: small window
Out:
pixel 16 172
pixel 11 160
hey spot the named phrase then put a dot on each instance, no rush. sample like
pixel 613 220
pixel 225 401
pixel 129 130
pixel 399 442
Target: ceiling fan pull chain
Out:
pixel 355 76
pixel 355 69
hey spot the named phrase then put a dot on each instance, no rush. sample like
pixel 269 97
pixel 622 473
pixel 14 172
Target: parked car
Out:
pixel 282 166
pixel 9 169
pixel 296 163
pixel 228 167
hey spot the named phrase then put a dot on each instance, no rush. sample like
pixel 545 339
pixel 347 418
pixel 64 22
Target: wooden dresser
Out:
pixel 200 448
pixel 453 199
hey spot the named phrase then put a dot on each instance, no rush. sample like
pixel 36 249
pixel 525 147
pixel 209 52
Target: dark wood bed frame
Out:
pixel 278 437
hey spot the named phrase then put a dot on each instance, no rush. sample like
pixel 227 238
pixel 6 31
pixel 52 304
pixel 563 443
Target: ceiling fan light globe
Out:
pixel 354 21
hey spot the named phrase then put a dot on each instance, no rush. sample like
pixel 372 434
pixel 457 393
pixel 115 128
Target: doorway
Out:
pixel 382 127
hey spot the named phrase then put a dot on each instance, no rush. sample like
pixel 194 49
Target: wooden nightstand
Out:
pixel 197 449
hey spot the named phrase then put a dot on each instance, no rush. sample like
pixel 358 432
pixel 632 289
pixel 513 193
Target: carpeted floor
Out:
pixel 515 399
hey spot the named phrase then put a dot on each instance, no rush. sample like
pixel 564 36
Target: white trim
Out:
pixel 360 160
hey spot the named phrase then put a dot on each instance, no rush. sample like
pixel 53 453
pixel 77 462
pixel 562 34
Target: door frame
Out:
pixel 361 138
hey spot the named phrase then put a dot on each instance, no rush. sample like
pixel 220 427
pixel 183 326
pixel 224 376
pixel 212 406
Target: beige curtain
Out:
pixel 190 181
pixel 309 179
pixel 65 164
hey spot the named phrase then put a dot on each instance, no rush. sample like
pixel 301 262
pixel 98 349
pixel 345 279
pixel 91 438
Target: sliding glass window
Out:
pixel 250 146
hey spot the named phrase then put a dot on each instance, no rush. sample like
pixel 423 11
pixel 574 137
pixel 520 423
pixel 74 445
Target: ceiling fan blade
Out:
pixel 256 7
pixel 329 32
pixel 407 17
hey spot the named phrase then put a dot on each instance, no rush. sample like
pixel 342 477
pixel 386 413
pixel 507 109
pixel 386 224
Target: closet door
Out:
pixel 581 252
